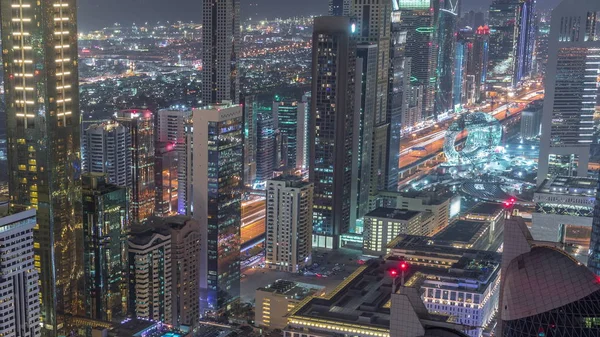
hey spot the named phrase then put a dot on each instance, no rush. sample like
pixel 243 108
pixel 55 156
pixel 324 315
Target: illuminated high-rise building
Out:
pixel 372 22
pixel 446 39
pixel 105 230
pixel 419 20
pixel 512 39
pixel 571 90
pixel 166 179
pixel 331 129
pixel 541 43
pixel 266 146
pixel 217 201
pixel 397 106
pixel 39 43
pixel 339 7
pixel 141 131
pixel 366 72
pixel 220 48
pixel 19 299
pixel 288 117
pixel 250 139
pixel 478 62
pixel 106 149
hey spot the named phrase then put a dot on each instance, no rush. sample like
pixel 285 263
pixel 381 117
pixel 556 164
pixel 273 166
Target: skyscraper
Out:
pixel 419 20
pixel 141 131
pixel 288 241
pixel 166 179
pixel 106 149
pixel 366 87
pixel 571 90
pixel 594 252
pixel 220 47
pixel 105 230
pixel 250 139
pixel 19 300
pixel 446 40
pixel 286 115
pixel 512 40
pixel 399 82
pixel 217 199
pixel 339 7
pixel 372 22
pixel 39 39
pixel 331 127
pixel 478 62
pixel 265 149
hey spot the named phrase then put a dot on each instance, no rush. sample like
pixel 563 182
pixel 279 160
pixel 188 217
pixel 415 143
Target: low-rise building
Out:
pixel 273 302
pixel 382 225
pixel 441 202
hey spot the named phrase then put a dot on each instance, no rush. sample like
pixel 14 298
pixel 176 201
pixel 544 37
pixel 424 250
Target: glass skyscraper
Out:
pixel 446 40
pixel 105 228
pixel 217 199
pixel 39 43
pixel 331 128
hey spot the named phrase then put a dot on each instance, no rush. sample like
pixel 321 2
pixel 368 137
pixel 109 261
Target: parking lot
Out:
pixel 329 278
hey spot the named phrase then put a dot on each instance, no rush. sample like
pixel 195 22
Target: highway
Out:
pixel 433 142
pixel 253 219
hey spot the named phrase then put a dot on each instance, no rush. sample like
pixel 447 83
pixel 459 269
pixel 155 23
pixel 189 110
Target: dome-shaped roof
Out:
pixel 544 279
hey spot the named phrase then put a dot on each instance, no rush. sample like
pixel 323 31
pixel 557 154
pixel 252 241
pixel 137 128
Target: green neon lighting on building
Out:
pixel 414 79
pixel 425 30
pixel 413 4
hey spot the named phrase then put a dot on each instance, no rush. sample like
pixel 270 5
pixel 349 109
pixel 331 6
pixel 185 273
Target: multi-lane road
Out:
pixel 253 219
pixel 411 150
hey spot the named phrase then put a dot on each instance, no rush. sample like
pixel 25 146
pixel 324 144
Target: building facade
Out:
pixel 140 124
pixel 217 198
pixel 288 240
pixel 44 154
pixel 571 90
pixel 332 128
pixel 105 227
pixel 220 48
pixel 250 139
pixel 166 178
pixel 20 297
pixel 106 149
pixel 504 34
pixel 382 225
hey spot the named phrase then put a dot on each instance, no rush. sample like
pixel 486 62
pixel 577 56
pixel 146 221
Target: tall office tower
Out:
pixel 340 7
pixel 478 62
pixel 302 146
pixel 571 89
pixel 265 149
pixel 419 19
pixel 541 43
pixel 220 47
pixel 20 297
pixel 287 117
pixel 288 242
pixel 399 82
pixel 512 37
pixel 331 128
pixel 141 132
pixel 461 82
pixel 171 128
pixel 372 22
pixel 525 41
pixel 250 139
pixel 164 260
pixel 39 40
pixel 105 230
pixel 106 149
pixel 366 87
pixel 166 179
pixel 217 190
pixel 446 40
pixel 185 172
pixel 594 251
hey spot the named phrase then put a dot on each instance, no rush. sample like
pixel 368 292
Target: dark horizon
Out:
pixel 95 15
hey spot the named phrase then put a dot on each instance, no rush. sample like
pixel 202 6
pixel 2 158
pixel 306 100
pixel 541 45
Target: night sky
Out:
pixel 94 14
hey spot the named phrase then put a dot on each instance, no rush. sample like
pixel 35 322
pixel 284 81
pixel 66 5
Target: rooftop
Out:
pixel 576 186
pixel 464 231
pixel 433 196
pixel 142 234
pixel 486 208
pixel 392 213
pixel 296 290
